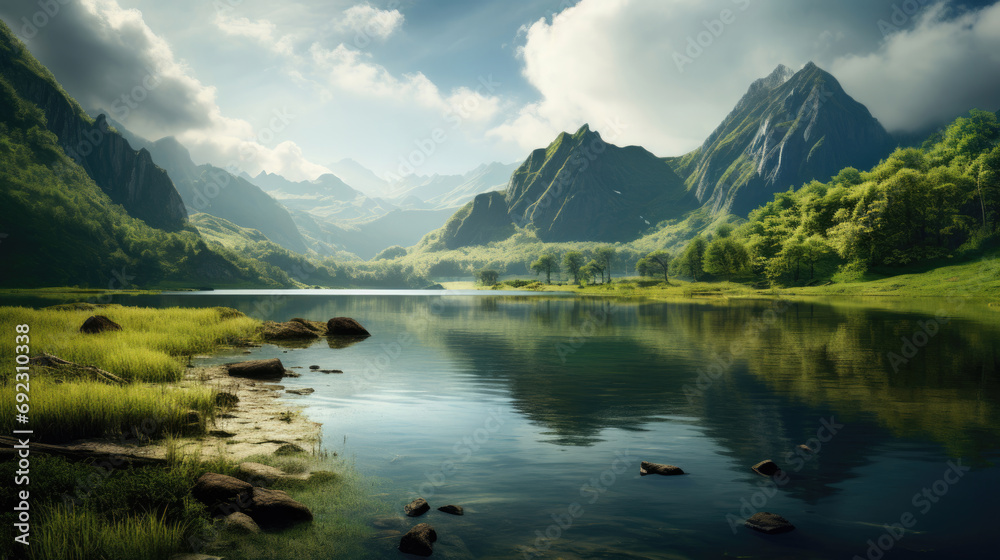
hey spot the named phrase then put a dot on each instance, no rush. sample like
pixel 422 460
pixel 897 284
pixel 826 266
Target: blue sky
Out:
pixel 446 85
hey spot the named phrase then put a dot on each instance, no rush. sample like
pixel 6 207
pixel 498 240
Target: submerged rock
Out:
pixel 655 468
pixel 257 369
pixel 292 330
pixel 418 540
pixel 99 323
pixel 454 510
pixel 766 468
pixel 417 507
pixel 770 523
pixel 305 391
pixel 345 326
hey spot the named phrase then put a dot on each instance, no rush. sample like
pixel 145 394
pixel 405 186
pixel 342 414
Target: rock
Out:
pixel 257 369
pixel 289 449
pixel 264 473
pixel 221 434
pixel 454 510
pixel 318 327
pixel 213 489
pixel 314 367
pixel 306 391
pixel 239 522
pixel 766 468
pixel 345 326
pixel 655 468
pixel 331 371
pixel 275 509
pixel 192 417
pixel 291 330
pixel 418 540
pixel 417 507
pixel 806 448
pixel 99 323
pixel 770 523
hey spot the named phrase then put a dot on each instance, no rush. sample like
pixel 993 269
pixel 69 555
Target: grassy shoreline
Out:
pixel 161 409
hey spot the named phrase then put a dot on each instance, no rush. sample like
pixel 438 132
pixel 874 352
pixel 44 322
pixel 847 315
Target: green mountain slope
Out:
pixel 580 188
pixel 61 228
pixel 128 176
pixel 788 129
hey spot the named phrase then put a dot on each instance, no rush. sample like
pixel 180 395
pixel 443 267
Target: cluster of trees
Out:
pixel 917 205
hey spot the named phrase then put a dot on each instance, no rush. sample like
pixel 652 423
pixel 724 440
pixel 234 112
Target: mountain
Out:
pixel 452 191
pixel 129 177
pixel 360 177
pixel 215 191
pixel 97 221
pixel 327 185
pixel 579 188
pixel 788 129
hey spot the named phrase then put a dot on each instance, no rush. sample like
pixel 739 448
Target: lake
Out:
pixel 534 412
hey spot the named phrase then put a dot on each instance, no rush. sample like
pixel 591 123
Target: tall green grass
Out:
pixel 148 348
pixel 66 411
pixel 68 534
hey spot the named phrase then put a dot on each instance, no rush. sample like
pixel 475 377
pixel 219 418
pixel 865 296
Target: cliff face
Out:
pixel 579 188
pixel 129 177
pixel 788 129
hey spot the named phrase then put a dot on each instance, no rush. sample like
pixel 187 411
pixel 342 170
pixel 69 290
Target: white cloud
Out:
pixel 262 31
pixel 930 73
pixel 367 21
pixel 179 104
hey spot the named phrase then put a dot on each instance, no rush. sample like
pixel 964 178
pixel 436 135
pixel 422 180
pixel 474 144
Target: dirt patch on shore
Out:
pixel 258 423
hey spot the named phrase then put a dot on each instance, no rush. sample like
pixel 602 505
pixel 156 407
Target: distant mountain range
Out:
pixel 789 128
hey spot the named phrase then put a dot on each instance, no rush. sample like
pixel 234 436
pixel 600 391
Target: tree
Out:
pixel 692 260
pixel 726 256
pixel 573 261
pixel 655 263
pixel 488 276
pixel 592 269
pixel 548 264
pixel 605 255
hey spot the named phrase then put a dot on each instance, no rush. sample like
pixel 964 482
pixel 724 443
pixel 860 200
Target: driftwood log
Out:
pixel 75 453
pixel 57 363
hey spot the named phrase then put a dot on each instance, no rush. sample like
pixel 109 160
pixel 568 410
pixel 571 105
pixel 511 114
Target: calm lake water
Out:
pixel 533 412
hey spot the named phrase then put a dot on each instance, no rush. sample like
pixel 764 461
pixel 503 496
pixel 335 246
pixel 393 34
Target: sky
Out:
pixel 441 86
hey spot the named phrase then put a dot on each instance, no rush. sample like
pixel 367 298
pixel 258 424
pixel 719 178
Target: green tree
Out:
pixel 391 253
pixel 692 260
pixel 548 264
pixel 590 270
pixel 573 261
pixel 605 255
pixel 657 262
pixel 488 276
pixel 725 257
